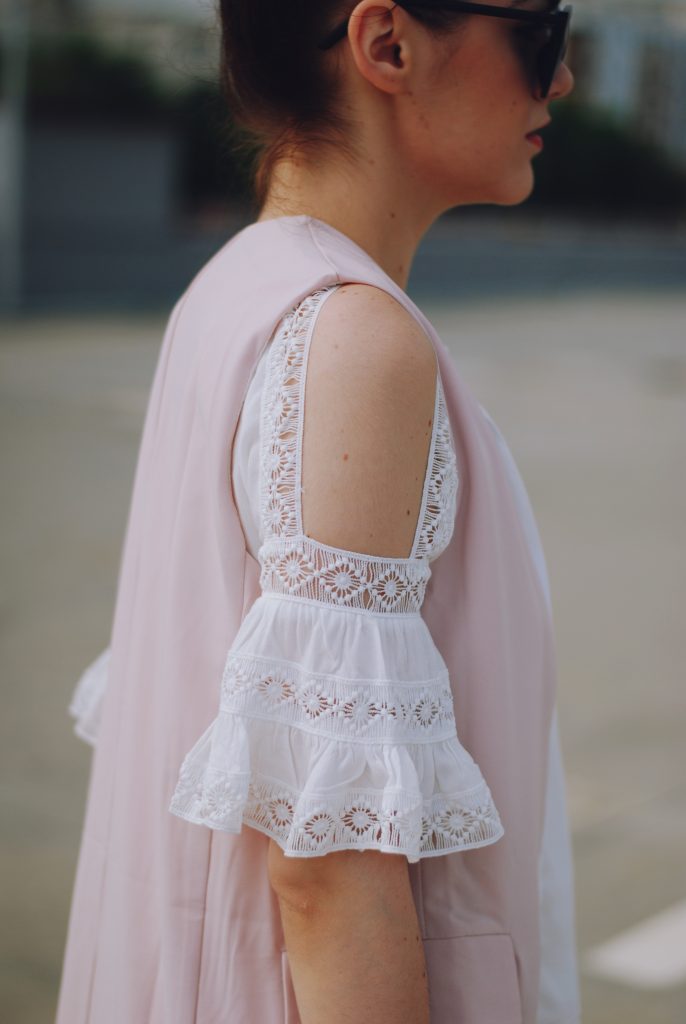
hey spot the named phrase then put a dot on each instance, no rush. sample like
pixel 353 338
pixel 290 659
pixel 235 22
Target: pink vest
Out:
pixel 173 923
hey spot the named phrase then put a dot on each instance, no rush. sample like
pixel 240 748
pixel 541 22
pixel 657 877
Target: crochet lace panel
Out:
pixel 304 567
pixel 439 504
pixel 291 562
pixel 314 824
pixel 393 730
pixel 341 709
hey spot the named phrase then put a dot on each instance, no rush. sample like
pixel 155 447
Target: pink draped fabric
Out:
pixel 173 923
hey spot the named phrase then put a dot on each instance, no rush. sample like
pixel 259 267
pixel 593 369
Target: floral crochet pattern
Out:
pixel 435 525
pixel 304 567
pixel 365 755
pixel 293 563
pixel 352 709
pixel 312 826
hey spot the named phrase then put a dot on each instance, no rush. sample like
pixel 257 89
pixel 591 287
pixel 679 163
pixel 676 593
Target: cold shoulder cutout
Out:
pixel 336 726
pixel 367 422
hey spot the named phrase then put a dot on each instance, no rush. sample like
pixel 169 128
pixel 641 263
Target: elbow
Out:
pixel 307 883
pixel 299 882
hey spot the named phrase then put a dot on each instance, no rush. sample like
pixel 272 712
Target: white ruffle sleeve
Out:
pixel 335 728
pixel 336 731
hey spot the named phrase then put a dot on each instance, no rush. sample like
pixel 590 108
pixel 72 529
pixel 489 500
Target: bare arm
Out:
pixel 349 918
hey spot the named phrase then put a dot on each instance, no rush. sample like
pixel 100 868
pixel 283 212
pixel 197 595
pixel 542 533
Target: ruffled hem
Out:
pixel 314 795
pixel 86 702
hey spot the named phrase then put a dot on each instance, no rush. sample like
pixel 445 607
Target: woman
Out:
pixel 385 722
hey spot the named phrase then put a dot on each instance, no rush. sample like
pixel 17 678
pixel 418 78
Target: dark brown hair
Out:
pixel 280 88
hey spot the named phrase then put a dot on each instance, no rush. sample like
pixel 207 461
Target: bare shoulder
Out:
pixel 369 400
pixel 369 329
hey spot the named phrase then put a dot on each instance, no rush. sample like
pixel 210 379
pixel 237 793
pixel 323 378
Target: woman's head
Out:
pixel 436 102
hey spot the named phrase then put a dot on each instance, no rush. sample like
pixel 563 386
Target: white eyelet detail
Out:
pixel 292 563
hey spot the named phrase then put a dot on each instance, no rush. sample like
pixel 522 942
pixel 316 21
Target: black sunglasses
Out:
pixel 542 52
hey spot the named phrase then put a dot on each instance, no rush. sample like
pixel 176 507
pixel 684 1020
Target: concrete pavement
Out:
pixel 590 392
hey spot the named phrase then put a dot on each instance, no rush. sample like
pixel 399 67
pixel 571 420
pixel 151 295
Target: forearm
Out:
pixel 355 948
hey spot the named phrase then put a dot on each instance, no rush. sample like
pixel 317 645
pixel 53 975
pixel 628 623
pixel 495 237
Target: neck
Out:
pixel 387 222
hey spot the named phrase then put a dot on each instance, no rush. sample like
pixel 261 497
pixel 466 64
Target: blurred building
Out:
pixel 178 37
pixel 92 205
pixel 629 58
pixel 88 204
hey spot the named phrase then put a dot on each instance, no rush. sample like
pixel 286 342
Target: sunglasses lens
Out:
pixel 547 66
pixel 550 57
pixel 531 42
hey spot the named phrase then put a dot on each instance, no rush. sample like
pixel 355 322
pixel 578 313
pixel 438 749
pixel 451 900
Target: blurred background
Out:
pixel 566 316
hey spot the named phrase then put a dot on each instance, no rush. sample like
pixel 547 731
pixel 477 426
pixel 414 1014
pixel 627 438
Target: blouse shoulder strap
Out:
pixel 281 418
pixel 296 564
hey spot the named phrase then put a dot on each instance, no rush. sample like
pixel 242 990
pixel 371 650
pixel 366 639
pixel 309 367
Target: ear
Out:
pixel 381 37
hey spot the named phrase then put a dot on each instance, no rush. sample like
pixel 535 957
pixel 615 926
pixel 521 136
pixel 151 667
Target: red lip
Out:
pixel 534 138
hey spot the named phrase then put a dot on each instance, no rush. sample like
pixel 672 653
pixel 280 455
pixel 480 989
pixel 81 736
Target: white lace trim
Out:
pixel 86 702
pixel 393 822
pixel 304 567
pixel 324 762
pixel 440 498
pixel 357 710
pixel 295 564
pixel 321 763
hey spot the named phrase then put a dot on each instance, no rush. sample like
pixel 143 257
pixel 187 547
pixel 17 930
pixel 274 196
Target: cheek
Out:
pixel 486 126
pixel 469 125
pixel 490 96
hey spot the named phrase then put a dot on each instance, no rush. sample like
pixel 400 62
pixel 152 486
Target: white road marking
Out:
pixel 650 955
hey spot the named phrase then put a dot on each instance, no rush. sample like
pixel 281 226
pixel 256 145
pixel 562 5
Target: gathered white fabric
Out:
pixel 86 702
pixel 342 736
pixel 336 727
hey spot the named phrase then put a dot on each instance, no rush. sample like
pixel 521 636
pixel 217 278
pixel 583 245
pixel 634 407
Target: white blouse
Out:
pixel 335 727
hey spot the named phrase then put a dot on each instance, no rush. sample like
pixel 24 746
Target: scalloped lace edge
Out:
pixel 389 820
